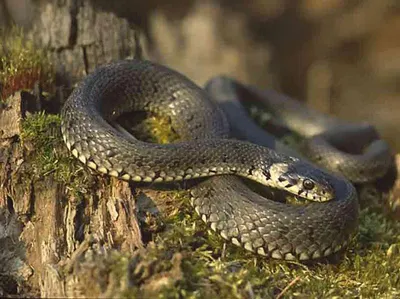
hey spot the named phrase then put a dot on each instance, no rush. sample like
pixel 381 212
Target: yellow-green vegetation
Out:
pixel 155 129
pixel 187 260
pixel 21 64
pixel 48 155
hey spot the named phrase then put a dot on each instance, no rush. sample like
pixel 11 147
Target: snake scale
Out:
pixel 267 227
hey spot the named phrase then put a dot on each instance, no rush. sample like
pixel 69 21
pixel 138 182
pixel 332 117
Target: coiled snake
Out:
pixel 261 225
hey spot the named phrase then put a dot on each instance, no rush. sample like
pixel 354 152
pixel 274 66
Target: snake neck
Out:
pixel 141 161
pixel 110 153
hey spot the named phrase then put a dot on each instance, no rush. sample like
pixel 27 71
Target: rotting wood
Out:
pixel 55 221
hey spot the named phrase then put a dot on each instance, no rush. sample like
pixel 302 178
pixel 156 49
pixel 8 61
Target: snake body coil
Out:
pixel 240 215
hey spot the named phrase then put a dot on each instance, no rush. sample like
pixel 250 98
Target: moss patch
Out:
pixel 21 64
pixel 187 260
pixel 48 155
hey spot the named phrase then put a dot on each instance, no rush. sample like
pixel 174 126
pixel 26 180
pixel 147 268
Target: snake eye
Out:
pixel 308 184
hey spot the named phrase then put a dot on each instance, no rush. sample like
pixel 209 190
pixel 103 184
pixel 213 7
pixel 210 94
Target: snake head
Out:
pixel 303 180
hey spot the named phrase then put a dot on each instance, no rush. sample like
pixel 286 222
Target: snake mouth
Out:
pixel 276 194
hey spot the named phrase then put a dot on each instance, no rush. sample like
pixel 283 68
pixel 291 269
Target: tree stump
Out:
pixel 56 223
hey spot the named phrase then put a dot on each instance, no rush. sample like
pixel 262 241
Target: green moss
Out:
pixel 42 137
pixel 21 63
pixel 187 260
pixel 151 128
pixel 211 268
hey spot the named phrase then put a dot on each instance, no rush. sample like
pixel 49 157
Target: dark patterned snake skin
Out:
pixel 267 227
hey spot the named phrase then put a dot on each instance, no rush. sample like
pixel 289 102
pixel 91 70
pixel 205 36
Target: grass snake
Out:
pixel 240 215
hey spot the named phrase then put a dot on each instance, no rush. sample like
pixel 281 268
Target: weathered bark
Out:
pixel 80 37
pixel 55 224
pixel 55 221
